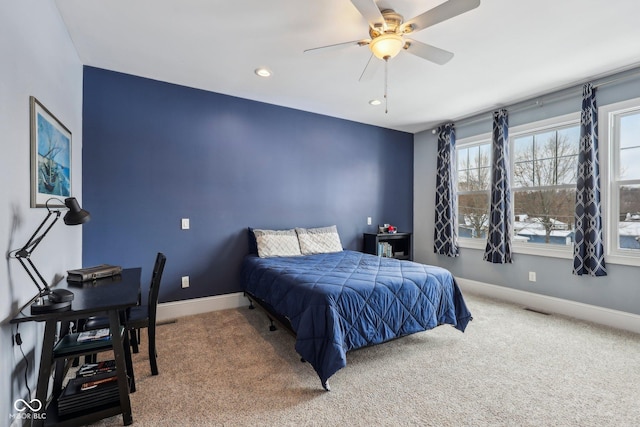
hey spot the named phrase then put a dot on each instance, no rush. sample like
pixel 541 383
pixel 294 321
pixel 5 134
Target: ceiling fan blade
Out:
pixel 446 10
pixel 337 46
pixel 428 52
pixel 370 11
pixel 370 70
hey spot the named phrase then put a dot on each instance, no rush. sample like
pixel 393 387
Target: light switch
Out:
pixel 185 223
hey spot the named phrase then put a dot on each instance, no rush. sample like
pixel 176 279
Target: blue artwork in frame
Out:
pixel 50 157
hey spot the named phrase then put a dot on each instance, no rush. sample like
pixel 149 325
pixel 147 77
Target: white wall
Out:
pixel 37 58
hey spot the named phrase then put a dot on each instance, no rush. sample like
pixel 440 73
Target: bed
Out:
pixel 343 300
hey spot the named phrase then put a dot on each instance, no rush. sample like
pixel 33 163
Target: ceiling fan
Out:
pixel 388 33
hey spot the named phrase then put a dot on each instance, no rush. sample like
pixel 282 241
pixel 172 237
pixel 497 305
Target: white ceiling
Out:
pixel 505 51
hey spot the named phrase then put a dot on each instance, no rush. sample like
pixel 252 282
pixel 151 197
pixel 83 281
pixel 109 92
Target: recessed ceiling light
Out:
pixel 375 102
pixel 263 72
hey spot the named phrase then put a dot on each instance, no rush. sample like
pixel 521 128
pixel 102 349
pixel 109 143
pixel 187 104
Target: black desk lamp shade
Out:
pixel 76 214
pixel 50 299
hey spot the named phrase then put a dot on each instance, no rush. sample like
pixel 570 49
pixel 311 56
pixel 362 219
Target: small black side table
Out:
pixel 400 244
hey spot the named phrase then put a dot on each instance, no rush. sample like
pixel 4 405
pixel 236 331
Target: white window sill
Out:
pixel 622 259
pixel 550 251
pixel 537 249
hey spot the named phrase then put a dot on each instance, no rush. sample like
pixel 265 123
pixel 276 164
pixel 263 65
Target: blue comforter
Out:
pixel 341 301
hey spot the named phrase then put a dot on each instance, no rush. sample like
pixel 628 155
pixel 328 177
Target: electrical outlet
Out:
pixel 185 282
pixel 532 276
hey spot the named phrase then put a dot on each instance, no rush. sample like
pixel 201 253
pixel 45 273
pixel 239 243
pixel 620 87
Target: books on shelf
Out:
pixel 90 385
pixel 81 342
pixel 90 369
pixel 385 249
pixel 87 392
pixel 94 335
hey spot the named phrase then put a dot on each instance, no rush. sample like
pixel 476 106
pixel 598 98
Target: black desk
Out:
pixel 111 296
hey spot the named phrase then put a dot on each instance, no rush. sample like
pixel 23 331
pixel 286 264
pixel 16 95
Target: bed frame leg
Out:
pixel 325 385
pixel 272 327
pixel 251 306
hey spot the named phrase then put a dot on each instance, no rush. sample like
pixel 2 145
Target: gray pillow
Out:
pixel 274 243
pixel 319 240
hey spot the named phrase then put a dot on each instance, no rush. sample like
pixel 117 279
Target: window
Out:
pixel 545 166
pixel 622 123
pixel 474 182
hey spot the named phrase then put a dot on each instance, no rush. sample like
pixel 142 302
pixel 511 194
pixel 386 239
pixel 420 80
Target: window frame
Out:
pixel 609 182
pixel 546 125
pixel 553 123
pixel 473 141
pixel 608 135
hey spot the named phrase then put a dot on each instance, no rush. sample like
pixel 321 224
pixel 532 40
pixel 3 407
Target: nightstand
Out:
pixel 393 245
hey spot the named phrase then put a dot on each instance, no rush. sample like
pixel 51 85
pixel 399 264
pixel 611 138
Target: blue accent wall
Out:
pixel 155 152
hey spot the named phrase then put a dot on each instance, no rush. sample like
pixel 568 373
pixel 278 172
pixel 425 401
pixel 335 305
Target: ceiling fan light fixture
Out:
pixel 386 46
pixel 375 102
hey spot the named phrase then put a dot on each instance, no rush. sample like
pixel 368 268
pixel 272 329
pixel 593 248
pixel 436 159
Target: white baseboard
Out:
pixel 591 313
pixel 578 310
pixel 175 309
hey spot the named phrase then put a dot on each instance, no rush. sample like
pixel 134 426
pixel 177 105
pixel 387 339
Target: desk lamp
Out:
pixel 49 299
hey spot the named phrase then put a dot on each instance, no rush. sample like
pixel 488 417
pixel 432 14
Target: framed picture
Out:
pixel 50 157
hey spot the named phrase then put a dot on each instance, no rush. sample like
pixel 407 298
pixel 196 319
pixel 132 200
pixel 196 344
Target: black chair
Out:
pixel 140 317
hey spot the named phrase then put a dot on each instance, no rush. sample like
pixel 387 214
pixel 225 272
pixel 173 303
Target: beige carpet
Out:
pixel 512 367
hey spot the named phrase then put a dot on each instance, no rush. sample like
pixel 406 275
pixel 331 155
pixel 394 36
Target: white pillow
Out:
pixel 319 240
pixel 272 243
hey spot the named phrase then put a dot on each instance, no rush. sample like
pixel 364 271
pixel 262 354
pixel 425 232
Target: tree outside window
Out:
pixel 545 166
pixel 474 182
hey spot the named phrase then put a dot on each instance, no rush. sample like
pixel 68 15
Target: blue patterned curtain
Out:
pixel 446 227
pixel 498 248
pixel 588 249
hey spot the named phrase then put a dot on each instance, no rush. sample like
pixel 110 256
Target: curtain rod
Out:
pixel 552 96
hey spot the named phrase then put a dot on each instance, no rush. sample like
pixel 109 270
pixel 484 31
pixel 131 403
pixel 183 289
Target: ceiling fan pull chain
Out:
pixel 386 78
